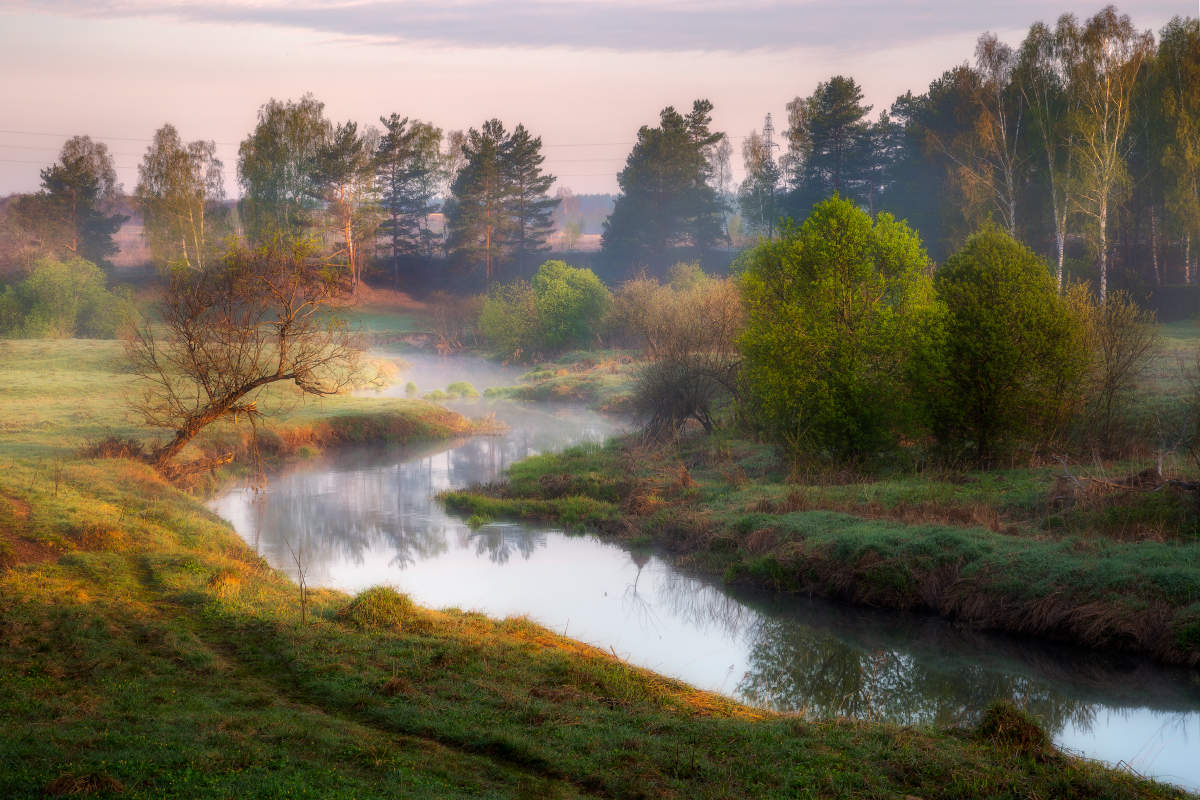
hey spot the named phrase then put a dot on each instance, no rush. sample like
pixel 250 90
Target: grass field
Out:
pixel 145 651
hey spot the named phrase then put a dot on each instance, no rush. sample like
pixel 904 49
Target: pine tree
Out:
pixel 407 173
pixel 69 213
pixel 499 209
pixel 477 223
pixel 528 205
pixel 666 196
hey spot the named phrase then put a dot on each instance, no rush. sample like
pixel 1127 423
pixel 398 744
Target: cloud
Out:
pixel 614 25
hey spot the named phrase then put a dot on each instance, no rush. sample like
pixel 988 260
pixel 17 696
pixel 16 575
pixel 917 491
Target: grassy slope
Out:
pixel 146 652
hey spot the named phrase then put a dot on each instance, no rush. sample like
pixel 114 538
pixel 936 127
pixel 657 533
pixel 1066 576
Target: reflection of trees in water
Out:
pixel 374 498
pixel 498 542
pixel 336 515
pixel 704 606
pixel 798 668
pixel 827 659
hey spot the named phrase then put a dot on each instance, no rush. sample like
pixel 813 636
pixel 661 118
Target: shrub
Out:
pixel 835 310
pixel 1010 356
pixel 689 331
pixel 570 304
pixel 562 307
pixel 1120 338
pixel 378 607
pixel 508 320
pixel 60 300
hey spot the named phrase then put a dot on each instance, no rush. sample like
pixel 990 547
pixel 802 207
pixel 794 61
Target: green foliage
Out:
pixel 462 389
pixel 831 144
pixel 275 167
pixel 508 319
pixel 179 191
pixel 563 306
pixel 61 300
pixel 70 213
pixel 836 308
pixel 1010 356
pixel 665 198
pixel 498 209
pixel 570 303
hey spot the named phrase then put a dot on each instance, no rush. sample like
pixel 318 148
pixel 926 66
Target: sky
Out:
pixel 582 74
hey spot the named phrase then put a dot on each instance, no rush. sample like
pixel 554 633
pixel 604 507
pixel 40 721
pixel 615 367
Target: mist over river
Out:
pixel 368 516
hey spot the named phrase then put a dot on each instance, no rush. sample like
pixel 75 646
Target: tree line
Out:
pixel 1082 141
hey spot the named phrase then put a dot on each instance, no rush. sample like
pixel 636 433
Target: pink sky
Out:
pixel 583 74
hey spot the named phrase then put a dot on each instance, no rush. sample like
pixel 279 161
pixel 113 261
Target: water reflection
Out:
pixel 368 518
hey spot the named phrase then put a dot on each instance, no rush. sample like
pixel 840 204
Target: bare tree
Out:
pixel 256 318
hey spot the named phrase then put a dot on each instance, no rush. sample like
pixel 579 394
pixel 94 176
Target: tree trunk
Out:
pixel 1103 250
pixel 1061 243
pixel 1154 246
pixel 1187 258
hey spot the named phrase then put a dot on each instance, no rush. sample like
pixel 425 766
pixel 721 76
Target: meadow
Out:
pixel 148 652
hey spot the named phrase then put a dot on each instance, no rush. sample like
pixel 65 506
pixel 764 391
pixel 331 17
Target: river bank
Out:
pixel 148 652
pixel 986 550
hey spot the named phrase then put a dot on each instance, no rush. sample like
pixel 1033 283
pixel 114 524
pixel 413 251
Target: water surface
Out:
pixel 367 517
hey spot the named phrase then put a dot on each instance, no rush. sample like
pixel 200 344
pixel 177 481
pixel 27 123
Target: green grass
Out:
pixel 145 651
pixel 58 395
pixel 601 379
pixel 994 550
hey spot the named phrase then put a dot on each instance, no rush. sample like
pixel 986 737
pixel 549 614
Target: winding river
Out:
pixel 367 517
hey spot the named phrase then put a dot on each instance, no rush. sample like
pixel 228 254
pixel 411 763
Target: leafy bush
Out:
pixel 562 307
pixel 1011 355
pixel 61 300
pixel 836 309
pixel 688 329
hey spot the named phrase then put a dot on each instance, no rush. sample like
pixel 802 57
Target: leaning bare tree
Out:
pixel 228 331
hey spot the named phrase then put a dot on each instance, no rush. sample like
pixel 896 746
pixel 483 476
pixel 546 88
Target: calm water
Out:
pixel 368 517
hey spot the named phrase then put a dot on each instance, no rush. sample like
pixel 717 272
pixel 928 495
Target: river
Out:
pixel 368 517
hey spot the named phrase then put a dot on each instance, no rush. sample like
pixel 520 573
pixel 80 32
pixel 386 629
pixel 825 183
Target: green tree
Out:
pixel 562 306
pixel 835 310
pixel 179 191
pixel 508 320
pixel 477 223
pixel 829 144
pixel 61 300
pixel 276 167
pixel 69 214
pixel 570 303
pixel 342 176
pixel 666 198
pixel 528 204
pixel 408 171
pixel 1011 353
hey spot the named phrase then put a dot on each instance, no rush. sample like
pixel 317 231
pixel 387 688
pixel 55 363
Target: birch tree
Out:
pixel 1042 80
pixel 179 191
pixel 1104 58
